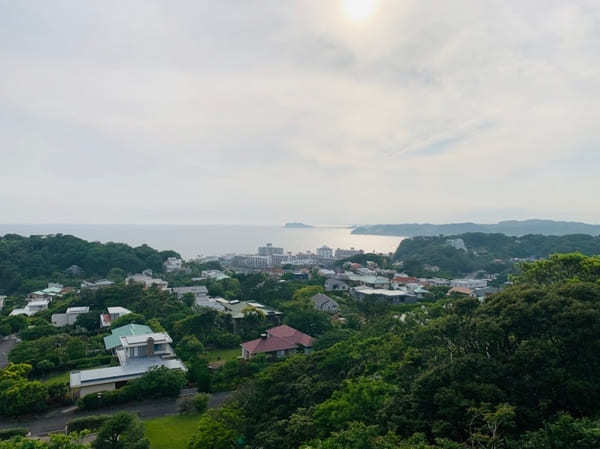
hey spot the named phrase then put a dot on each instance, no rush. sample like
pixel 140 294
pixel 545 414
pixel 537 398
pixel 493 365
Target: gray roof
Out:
pixel 130 370
pixel 320 299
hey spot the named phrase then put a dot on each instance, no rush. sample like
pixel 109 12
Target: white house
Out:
pixel 114 313
pixel 69 317
pixel 147 280
pixel 173 264
pixel 469 283
pixel 137 354
pixel 32 307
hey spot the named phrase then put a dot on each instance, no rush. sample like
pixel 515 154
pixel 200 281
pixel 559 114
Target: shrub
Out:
pixel 7 434
pixel 91 423
pixel 156 383
pixel 200 401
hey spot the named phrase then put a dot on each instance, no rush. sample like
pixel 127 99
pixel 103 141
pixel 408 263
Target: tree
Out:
pixel 308 320
pixel 189 347
pixel 75 349
pixel 88 321
pixel 217 429
pixel 121 431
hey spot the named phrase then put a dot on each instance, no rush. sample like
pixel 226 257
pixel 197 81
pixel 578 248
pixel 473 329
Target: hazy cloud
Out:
pixel 255 112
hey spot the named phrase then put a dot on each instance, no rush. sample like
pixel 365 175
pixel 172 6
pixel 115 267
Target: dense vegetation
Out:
pixel 494 253
pixel 517 371
pixel 28 263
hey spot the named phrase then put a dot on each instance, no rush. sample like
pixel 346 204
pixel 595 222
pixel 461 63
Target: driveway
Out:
pixel 6 344
pixel 56 420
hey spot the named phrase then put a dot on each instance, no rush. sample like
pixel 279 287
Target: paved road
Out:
pixel 6 344
pixel 56 420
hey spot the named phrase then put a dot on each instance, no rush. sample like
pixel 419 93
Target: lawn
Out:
pixel 223 354
pixel 171 432
pixel 56 378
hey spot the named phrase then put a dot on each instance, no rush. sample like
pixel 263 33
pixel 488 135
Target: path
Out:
pixel 6 344
pixel 56 420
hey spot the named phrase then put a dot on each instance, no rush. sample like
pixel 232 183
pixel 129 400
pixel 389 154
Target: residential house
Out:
pixel 237 309
pixel 114 313
pixel 460 291
pixel 469 283
pixel 69 317
pixel 324 303
pixel 53 290
pixel 173 264
pixel 369 281
pixel 363 293
pixel 112 342
pixel 137 354
pixel 32 307
pixel 398 282
pixel 102 283
pixel 147 280
pixel 278 342
pixel 332 285
pixel 215 275
pixel 196 290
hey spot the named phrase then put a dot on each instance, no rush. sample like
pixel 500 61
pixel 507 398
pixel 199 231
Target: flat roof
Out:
pixel 117 309
pixel 381 291
pixel 133 368
pixel 158 337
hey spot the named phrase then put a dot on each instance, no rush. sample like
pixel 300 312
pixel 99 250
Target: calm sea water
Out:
pixel 209 240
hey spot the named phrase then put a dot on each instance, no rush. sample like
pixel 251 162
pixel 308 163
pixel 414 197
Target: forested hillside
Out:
pixel 509 227
pixel 518 371
pixel 27 262
pixel 489 252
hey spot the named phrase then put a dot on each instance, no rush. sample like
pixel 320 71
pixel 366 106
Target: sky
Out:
pixel 268 111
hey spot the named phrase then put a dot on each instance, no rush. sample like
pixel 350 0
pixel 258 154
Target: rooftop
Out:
pixel 136 340
pixel 114 339
pixel 279 338
pixel 133 368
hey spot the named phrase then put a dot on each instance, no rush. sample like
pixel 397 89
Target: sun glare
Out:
pixel 358 10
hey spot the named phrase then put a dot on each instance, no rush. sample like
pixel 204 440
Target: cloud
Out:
pixel 243 112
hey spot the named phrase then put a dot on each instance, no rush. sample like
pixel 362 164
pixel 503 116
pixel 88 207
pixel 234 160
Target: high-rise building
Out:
pixel 325 252
pixel 269 250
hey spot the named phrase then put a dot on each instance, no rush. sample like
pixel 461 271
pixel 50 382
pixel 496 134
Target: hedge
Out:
pixel 91 423
pixel 7 434
pixel 156 383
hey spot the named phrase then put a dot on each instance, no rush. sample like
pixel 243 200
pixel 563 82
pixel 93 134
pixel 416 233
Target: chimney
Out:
pixel 150 347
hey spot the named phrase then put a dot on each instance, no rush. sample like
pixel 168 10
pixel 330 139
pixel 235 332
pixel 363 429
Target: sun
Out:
pixel 358 10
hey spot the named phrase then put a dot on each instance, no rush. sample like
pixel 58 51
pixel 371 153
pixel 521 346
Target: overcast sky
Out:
pixel 262 112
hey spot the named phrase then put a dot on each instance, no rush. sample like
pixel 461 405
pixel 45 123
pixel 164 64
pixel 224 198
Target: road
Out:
pixel 56 420
pixel 6 344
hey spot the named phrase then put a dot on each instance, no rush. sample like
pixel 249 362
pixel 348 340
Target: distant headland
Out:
pixel 297 225
pixel 510 227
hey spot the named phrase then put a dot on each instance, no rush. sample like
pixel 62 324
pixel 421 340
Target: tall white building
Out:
pixel 269 250
pixel 325 252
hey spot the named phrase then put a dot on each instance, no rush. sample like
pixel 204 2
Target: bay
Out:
pixel 214 240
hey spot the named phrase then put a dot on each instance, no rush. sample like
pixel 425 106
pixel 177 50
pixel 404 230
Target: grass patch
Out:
pixel 171 432
pixel 224 354
pixel 56 378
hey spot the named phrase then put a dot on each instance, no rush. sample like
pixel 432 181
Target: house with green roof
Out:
pixel 113 341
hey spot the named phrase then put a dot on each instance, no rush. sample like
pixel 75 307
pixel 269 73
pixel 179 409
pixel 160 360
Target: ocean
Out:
pixel 214 240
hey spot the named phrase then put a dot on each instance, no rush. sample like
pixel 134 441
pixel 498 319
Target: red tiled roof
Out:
pixel 405 280
pixel 461 290
pixel 279 338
